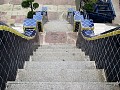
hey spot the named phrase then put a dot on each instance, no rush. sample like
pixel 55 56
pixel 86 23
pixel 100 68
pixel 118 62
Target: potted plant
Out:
pixel 30 4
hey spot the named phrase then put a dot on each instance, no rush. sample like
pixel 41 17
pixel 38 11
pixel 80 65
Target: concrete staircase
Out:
pixel 60 67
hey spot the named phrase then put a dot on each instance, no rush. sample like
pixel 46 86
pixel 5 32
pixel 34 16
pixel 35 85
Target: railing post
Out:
pixel 45 14
pixel 70 15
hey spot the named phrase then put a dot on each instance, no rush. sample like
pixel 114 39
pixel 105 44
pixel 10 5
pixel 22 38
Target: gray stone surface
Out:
pixel 69 51
pixel 60 65
pixel 58 46
pixel 62 86
pixel 62 70
pixel 59 26
pixel 59 75
pixel 59 54
pixel 60 58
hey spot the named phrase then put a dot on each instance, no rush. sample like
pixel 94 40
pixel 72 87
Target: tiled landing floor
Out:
pixel 47 38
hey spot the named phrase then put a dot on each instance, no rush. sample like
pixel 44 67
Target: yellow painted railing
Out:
pixel 113 33
pixel 6 28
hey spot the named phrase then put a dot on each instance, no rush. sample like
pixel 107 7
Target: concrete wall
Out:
pixel 116 5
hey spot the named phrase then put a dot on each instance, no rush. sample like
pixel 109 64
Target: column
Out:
pixel 77 3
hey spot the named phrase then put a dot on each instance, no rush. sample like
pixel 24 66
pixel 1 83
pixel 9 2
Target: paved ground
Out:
pixel 47 2
pixel 47 38
pixel 57 30
pixel 16 14
pixel 12 12
pixel 57 25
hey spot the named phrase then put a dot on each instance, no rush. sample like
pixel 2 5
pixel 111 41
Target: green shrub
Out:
pixel 89 5
pixel 30 14
pixel 35 5
pixel 30 4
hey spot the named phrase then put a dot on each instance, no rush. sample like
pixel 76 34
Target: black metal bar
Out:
pixel 105 52
pixel 14 51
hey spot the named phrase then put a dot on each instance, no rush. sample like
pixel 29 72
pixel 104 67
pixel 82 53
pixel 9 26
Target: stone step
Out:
pixel 62 46
pixel 59 58
pixel 60 75
pixel 60 65
pixel 59 54
pixel 62 86
pixel 59 26
pixel 58 50
pixel 58 47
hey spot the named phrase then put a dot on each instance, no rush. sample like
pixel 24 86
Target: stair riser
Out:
pixel 62 86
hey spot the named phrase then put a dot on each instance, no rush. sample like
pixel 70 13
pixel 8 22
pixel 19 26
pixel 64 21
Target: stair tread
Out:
pixel 62 86
pixel 58 53
pixel 61 75
pixel 65 52
pixel 57 50
pixel 58 45
pixel 61 65
pixel 62 58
